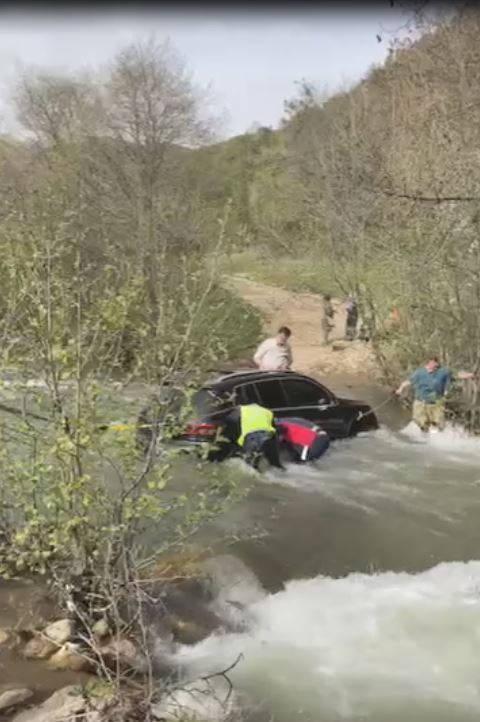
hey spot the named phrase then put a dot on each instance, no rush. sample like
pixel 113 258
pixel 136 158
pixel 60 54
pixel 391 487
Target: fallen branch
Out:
pixel 224 674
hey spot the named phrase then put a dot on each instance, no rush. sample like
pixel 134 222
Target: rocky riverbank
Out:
pixel 66 669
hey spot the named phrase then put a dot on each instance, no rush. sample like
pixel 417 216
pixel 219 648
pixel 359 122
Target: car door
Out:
pixel 312 401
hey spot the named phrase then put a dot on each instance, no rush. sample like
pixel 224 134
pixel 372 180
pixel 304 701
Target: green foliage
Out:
pixel 109 270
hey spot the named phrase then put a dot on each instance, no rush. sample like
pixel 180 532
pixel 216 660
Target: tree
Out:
pixel 57 108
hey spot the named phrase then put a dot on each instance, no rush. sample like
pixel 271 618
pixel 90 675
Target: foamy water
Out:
pixel 385 647
pixel 406 468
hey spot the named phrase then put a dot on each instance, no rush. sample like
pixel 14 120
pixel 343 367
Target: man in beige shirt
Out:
pixel 275 353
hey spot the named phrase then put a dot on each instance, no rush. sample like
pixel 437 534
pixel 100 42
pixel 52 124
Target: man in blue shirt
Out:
pixel 430 384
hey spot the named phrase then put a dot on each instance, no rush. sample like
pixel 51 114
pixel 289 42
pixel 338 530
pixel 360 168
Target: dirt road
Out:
pixel 302 312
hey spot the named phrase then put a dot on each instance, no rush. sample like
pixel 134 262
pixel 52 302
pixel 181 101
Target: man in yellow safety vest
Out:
pixel 252 428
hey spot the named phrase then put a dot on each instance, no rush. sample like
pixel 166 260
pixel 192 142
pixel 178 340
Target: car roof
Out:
pixel 235 378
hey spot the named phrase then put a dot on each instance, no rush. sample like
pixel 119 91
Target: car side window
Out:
pixel 246 394
pixel 304 393
pixel 271 393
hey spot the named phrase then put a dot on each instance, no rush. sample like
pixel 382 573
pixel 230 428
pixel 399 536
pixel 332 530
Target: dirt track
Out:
pixel 302 312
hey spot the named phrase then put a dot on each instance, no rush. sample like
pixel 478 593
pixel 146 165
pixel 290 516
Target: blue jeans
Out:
pixel 261 443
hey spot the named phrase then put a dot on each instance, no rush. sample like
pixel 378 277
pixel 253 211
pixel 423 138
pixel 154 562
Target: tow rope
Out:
pixel 362 414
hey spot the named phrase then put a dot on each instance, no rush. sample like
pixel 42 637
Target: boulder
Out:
pixel 60 707
pixel 4 636
pixel 60 631
pixel 123 651
pixel 70 657
pixel 203 699
pixel 39 647
pixel 13 697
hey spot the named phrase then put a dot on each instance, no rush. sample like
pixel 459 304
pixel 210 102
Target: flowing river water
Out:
pixel 370 568
pixel 359 593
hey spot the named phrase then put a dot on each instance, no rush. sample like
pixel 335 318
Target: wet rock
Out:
pixel 39 647
pixel 101 629
pixel 60 631
pixel 189 608
pixel 13 697
pixel 124 652
pixel 187 632
pixel 60 707
pixel 202 699
pixel 70 657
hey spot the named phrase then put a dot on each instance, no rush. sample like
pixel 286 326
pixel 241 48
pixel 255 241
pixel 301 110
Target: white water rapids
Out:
pixel 386 646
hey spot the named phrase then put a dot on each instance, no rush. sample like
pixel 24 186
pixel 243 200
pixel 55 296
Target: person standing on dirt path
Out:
pixel 327 318
pixel 430 384
pixel 351 307
pixel 275 354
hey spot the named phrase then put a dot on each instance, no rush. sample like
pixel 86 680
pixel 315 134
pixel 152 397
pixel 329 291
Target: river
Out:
pixel 370 608
pixel 359 583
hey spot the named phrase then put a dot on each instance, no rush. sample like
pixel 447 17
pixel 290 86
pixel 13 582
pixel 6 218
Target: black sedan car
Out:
pixel 286 393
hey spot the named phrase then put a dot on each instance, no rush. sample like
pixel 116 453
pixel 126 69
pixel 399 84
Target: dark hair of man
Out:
pixel 285 330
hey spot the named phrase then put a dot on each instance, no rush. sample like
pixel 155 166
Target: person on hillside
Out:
pixel 275 354
pixel 252 428
pixel 430 384
pixel 351 307
pixel 327 318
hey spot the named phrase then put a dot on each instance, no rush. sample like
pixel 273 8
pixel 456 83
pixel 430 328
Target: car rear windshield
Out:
pixel 207 402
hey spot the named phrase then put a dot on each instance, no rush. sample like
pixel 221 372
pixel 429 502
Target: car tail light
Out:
pixel 201 430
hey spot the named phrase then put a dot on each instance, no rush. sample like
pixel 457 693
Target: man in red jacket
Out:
pixel 304 440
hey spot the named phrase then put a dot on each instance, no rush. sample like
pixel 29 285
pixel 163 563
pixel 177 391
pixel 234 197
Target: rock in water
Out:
pixel 69 657
pixel 123 651
pixel 60 707
pixel 13 697
pixel 39 647
pixel 61 631
pixel 203 699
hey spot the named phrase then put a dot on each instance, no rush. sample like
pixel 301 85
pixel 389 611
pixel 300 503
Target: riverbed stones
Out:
pixel 124 652
pixel 63 705
pixel 60 631
pixel 39 647
pixel 13 697
pixel 69 656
